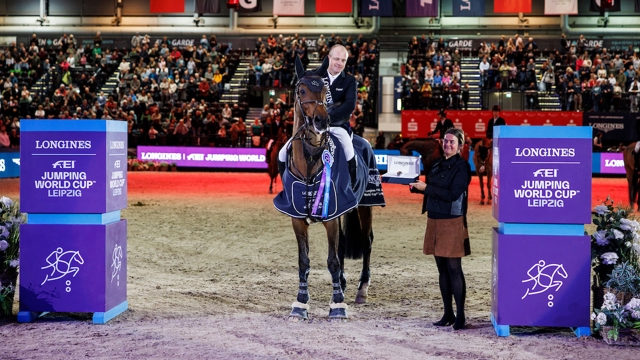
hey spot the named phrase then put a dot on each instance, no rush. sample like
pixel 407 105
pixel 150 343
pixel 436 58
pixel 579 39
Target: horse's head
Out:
pixel 310 94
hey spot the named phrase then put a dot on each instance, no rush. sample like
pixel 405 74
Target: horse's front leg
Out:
pixel 489 175
pixel 300 308
pixel 338 308
pixel 366 216
pixel 480 179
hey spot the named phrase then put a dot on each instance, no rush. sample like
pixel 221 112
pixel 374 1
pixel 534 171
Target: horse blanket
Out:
pixel 298 199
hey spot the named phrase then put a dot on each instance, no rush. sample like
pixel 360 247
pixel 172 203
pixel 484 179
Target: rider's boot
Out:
pixel 352 171
pixel 281 167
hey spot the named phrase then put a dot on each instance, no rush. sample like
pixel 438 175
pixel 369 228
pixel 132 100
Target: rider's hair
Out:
pixel 338 46
pixel 457 133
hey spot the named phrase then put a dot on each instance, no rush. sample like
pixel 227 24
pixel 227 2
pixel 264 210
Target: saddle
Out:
pixel 301 198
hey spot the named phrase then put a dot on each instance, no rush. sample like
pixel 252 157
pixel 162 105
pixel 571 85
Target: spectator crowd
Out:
pixel 169 95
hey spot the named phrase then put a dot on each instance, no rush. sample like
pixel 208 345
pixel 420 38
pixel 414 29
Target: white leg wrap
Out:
pixel 637 149
pixel 282 155
pixel 345 141
pixel 338 306
pixel 269 144
pixel 300 305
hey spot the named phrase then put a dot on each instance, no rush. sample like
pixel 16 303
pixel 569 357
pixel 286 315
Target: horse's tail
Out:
pixel 355 242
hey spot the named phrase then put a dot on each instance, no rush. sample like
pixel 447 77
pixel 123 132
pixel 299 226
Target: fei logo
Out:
pixel 546 173
pixel 543 278
pixel 64 164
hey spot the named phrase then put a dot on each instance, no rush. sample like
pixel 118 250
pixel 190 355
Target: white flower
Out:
pixel 609 258
pixel 601 237
pixel 3 245
pixel 593 316
pixel 618 234
pixel 627 225
pixel 6 201
pixel 601 209
pixel 601 319
pixel 633 304
pixel 14 263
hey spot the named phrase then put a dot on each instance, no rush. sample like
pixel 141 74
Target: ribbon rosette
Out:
pixel 325 185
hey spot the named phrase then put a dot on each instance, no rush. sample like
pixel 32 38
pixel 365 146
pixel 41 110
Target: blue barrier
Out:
pixel 10 163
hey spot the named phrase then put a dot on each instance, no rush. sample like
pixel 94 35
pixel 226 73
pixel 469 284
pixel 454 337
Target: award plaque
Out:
pixel 402 169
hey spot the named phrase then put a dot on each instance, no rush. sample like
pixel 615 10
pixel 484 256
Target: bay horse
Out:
pixel 272 169
pixel 349 235
pixel 483 161
pixel 429 150
pixel 633 180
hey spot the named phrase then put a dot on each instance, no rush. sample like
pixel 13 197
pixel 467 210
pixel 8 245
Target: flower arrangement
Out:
pixel 10 220
pixel 613 316
pixel 616 240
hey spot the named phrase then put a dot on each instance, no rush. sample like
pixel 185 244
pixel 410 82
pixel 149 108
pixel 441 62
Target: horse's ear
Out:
pixel 299 68
pixel 322 70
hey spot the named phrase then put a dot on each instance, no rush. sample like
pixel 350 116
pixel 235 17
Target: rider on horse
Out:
pixel 341 100
pixel 496 120
pixel 443 125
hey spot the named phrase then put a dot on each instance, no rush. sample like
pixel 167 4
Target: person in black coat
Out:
pixel 443 125
pixel 447 237
pixel 496 120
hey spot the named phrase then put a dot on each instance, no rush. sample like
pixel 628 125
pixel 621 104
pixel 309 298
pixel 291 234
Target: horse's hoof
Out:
pixel 299 312
pixel 481 202
pixel 270 191
pixel 338 311
pixel 489 202
pixel 362 294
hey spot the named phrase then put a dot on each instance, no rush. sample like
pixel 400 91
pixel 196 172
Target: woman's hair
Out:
pixel 457 133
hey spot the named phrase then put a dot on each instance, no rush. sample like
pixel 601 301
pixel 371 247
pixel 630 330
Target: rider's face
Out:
pixel 337 60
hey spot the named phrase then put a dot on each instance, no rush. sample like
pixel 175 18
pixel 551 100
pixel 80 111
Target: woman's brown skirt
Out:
pixel 446 238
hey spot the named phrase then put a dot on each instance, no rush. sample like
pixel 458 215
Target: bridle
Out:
pixel 308 119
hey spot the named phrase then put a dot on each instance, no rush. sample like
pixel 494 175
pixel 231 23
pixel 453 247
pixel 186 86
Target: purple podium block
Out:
pixel 73 268
pixel 541 280
pixel 73 166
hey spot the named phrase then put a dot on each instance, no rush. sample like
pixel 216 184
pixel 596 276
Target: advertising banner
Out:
pixel 288 7
pixel 468 8
pixel 418 123
pixel 549 180
pixel 233 158
pixel 541 280
pixel 611 163
pixel 9 163
pixel 422 8
pixel 614 126
pixel 560 7
pixel 332 6
pixel 511 6
pixel 71 166
pixel 383 8
pixel 166 6
pixel 73 268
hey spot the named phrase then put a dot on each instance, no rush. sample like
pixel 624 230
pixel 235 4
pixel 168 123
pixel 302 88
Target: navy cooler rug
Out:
pixel 297 198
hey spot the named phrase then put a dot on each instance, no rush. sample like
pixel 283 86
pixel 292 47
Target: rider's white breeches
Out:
pixel 339 132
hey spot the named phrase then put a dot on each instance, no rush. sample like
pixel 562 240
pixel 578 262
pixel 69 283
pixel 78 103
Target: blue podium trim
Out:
pixel 75 219
pixel 501 330
pixel 542 132
pixel 582 331
pixel 541 229
pixel 29 316
pixel 73 125
pixel 104 317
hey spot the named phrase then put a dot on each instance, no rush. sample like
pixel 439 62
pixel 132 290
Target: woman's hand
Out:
pixel 419 186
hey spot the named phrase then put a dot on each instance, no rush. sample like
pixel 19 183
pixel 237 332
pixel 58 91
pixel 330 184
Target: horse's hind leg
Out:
pixel 489 190
pixel 338 308
pixel 300 308
pixel 366 216
pixel 480 178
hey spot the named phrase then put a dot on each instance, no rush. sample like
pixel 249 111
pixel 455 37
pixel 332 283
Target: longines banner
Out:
pixel 235 158
pixel 614 126
pixel 418 123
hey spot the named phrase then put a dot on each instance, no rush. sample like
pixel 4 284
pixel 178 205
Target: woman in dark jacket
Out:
pixel 447 237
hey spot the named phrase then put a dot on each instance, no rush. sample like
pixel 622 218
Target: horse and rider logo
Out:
pixel 116 263
pixel 544 277
pixel 60 262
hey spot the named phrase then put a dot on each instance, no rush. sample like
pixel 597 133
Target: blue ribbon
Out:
pixel 327 159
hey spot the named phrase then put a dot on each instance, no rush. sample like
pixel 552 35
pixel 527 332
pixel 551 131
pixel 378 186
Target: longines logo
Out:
pixel 63 144
pixel 606 127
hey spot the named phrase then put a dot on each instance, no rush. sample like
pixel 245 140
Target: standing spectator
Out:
pixel 256 133
pixel 496 120
pixel 447 236
pixel 5 142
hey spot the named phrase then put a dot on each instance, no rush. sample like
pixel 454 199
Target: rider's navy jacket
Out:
pixel 343 94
